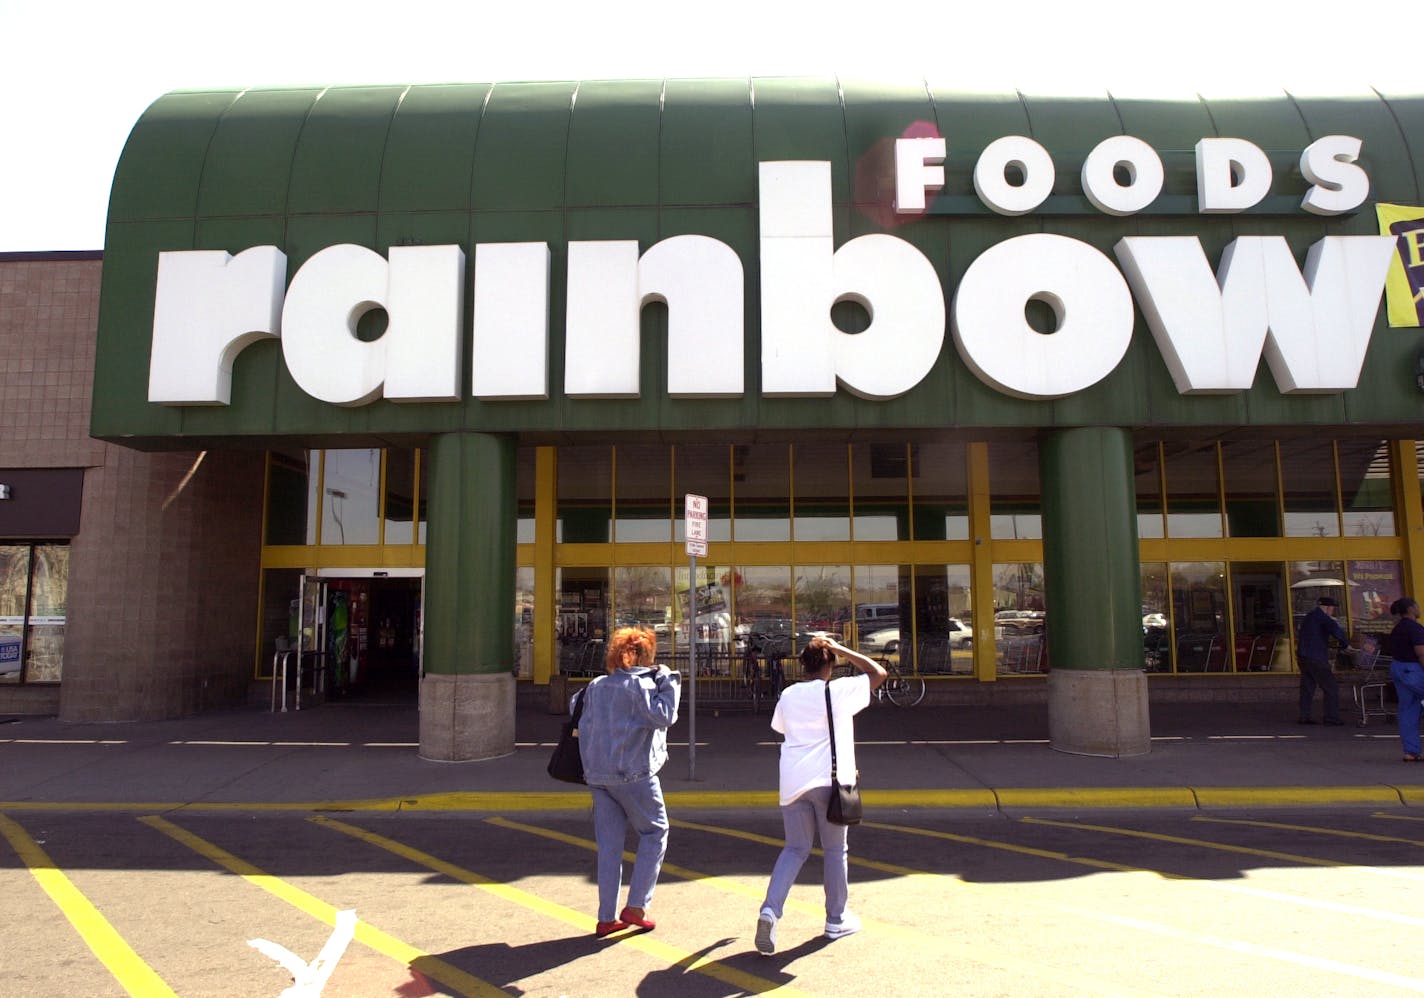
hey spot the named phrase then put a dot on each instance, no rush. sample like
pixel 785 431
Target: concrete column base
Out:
pixel 466 718
pixel 1099 712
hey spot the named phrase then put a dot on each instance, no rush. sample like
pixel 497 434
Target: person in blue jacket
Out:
pixel 623 744
pixel 1406 668
pixel 1313 654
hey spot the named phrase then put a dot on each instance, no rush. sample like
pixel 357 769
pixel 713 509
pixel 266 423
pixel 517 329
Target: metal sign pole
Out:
pixel 695 527
pixel 692 667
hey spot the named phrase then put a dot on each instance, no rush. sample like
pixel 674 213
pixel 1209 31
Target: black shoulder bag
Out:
pixel 566 764
pixel 844 807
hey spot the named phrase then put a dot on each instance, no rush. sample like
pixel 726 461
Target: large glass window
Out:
pixel 710 627
pixel 761 481
pixel 1249 472
pixel 585 494
pixel 939 482
pixel 763 603
pixel 581 627
pixel 880 478
pixel 524 623
pixel 1308 479
pixel 643 504
pixel 34 596
pixel 944 624
pixel 1199 613
pixel 1147 476
pixel 422 460
pixel 524 487
pixel 1373 587
pixel 287 491
pixel 1020 623
pixel 1259 606
pixel 350 502
pixel 281 590
pixel 1366 497
pixel 1156 618
pixel 822 486
pixel 1193 496
pixel 399 513
pixel 1014 497
pixel 642 597
pixel 823 599
pixel 704 471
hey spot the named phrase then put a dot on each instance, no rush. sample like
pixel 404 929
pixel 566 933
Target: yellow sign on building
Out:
pixel 1404 288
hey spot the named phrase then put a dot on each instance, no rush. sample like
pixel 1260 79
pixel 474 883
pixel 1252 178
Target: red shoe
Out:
pixel 608 928
pixel 626 916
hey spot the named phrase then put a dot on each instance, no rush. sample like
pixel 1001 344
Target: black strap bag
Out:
pixel 844 806
pixel 566 764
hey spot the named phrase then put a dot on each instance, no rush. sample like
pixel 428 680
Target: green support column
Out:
pixel 1097 690
pixel 467 690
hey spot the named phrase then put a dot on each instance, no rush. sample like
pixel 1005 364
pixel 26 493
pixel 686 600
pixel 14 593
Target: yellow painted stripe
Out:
pixel 1297 900
pixel 1411 795
pixel 969 953
pixel 1285 956
pixel 1225 847
pixel 1318 830
pixel 989 799
pixel 1030 797
pixel 367 934
pixel 853 860
pixel 1293 796
pixel 133 974
pixel 970 840
pixel 646 944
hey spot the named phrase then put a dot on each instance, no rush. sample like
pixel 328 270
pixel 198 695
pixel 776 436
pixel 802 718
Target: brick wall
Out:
pixel 48 317
pixel 162 611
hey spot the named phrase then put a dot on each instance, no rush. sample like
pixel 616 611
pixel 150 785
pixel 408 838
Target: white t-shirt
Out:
pixel 801 716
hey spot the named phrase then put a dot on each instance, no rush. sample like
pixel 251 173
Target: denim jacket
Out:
pixel 623 728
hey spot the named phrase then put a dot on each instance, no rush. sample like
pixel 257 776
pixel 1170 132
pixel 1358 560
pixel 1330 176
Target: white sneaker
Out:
pixel 766 933
pixel 849 923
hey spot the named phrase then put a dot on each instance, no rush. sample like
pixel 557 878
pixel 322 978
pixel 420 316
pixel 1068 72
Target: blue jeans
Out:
pixel 1409 684
pixel 617 807
pixel 804 819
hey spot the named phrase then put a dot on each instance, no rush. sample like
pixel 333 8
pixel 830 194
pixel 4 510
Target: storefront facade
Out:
pixel 979 376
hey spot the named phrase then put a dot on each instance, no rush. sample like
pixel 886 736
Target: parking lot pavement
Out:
pixel 1075 902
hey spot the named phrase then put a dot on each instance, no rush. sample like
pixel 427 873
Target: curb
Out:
pixel 1013 798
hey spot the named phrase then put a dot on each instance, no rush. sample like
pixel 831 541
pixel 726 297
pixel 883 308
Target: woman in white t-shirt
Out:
pixel 806 780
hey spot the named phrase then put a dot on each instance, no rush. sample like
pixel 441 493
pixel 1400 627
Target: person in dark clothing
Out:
pixel 1406 668
pixel 1313 654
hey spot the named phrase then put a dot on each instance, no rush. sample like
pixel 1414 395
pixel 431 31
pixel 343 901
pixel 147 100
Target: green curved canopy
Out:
pixel 382 166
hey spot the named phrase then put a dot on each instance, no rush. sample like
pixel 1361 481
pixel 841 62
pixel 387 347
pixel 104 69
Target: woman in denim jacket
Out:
pixel 623 744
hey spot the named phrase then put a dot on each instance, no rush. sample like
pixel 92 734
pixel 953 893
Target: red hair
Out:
pixel 639 640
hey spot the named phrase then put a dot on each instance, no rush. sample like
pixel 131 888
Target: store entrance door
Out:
pixel 374 635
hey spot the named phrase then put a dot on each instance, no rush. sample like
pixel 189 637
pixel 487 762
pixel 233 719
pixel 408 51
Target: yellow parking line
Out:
pixel 369 935
pixel 1338 832
pixel 133 974
pixel 969 953
pixel 1224 847
pixel 659 950
pixel 1157 928
pixel 853 860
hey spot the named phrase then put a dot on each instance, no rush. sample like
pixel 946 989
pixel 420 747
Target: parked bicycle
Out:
pixel 759 683
pixel 901 689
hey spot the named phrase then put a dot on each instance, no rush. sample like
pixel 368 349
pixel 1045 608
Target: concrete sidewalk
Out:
pixel 354 755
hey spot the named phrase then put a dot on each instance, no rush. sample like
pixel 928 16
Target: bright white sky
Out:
pixel 74 77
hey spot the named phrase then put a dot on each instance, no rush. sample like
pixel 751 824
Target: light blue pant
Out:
pixel 616 808
pixel 804 819
pixel 1409 684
